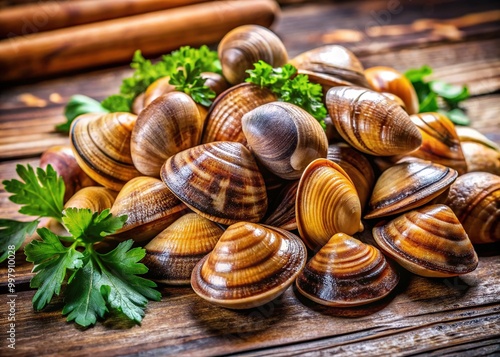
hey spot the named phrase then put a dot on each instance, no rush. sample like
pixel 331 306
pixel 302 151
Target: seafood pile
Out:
pixel 246 197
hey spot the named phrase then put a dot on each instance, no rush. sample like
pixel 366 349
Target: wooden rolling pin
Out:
pixel 114 41
pixel 49 15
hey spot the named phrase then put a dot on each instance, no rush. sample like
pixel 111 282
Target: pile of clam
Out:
pixel 246 197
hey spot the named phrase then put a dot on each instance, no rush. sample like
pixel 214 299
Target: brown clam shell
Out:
pixel 283 213
pixel 156 89
pixel 101 144
pixel 170 124
pixel 428 241
pixel 219 180
pixel 150 207
pixel 347 272
pixel 371 123
pixel 475 199
pixel 327 203
pixel 173 253
pixel 284 138
pixel 408 185
pixel 481 154
pixel 223 121
pixel 250 265
pixel 95 198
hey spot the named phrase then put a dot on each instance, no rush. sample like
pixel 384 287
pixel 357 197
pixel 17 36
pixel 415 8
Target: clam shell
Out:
pixel 223 121
pixel 220 181
pixel 481 154
pixel 346 272
pixel 150 207
pixel 371 123
pixel 428 241
pixel 327 203
pixel 475 199
pixel 284 138
pixel 156 89
pixel 170 124
pixel 408 185
pixel 173 253
pixel 95 198
pixel 101 144
pixel 250 265
pixel 283 213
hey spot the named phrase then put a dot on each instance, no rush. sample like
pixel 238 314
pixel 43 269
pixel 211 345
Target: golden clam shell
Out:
pixel 101 144
pixel 428 241
pixel 284 138
pixel 475 199
pixel 250 265
pixel 173 253
pixel 327 203
pixel 219 180
pixel 370 122
pixel 95 198
pixel 407 185
pixel 347 272
pixel 481 154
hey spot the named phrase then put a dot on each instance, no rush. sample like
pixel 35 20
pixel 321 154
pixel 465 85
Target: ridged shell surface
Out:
pixel 173 253
pixel 101 144
pixel 284 138
pixel 370 122
pixel 95 198
pixel 327 203
pixel 429 241
pixel 282 213
pixel 251 265
pixel 347 272
pixel 219 181
pixel 408 185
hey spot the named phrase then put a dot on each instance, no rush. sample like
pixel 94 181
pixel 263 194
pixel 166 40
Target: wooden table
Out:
pixel 459 39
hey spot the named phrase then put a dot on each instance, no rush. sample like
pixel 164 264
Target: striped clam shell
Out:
pixel 219 180
pixel 428 241
pixel 250 265
pixel 347 272
pixel 173 253
pixel 370 122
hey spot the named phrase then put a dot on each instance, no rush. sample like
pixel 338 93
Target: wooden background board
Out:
pixel 459 39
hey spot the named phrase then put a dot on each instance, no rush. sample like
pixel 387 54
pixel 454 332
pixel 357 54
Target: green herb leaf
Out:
pixel 14 233
pixel 84 301
pixel 457 116
pixel 51 260
pixel 204 58
pixel 41 194
pixel 117 103
pixel 450 92
pixel 78 105
pixel 289 87
pixel 429 104
pixel 188 80
pixel 91 227
pixel 418 74
pixel 121 287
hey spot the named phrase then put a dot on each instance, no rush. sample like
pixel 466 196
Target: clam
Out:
pixel 95 198
pixel 481 154
pixel 428 241
pixel 63 161
pixel 173 253
pixel 440 142
pixel 371 123
pixel 156 89
pixel 250 265
pixel 101 144
pixel 284 138
pixel 331 66
pixel 223 122
pixel 172 123
pixel 357 166
pixel 407 185
pixel 150 207
pixel 245 45
pixel 282 214
pixel 387 79
pixel 219 180
pixel 475 199
pixel 327 203
pixel 347 272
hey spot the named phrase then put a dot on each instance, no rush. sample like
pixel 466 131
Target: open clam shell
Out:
pixel 327 203
pixel 428 241
pixel 407 185
pixel 173 253
pixel 347 272
pixel 250 265
pixel 219 180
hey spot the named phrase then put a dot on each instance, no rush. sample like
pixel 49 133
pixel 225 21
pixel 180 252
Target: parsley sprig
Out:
pixel 439 96
pixel 290 87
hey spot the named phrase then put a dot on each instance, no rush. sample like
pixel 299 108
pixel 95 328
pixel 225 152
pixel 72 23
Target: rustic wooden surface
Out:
pixel 454 316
